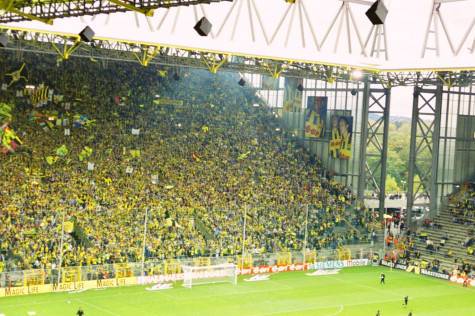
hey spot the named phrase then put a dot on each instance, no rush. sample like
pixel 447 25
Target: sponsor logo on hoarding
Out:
pixel 392 265
pixel 180 277
pixel 15 291
pixel 435 274
pixel 149 279
pixel 461 280
pixel 274 269
pixel 416 270
pixel 339 264
pixel 67 286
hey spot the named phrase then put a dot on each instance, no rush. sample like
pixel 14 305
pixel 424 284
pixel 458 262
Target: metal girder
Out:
pixel 436 21
pixel 417 78
pixel 424 148
pixel 274 69
pixel 68 45
pixel 303 18
pixel 375 141
pixel 345 16
pixel 345 19
pixel 364 138
pixel 48 10
pixel 213 61
pixel 147 54
pixel 378 36
pixel 252 11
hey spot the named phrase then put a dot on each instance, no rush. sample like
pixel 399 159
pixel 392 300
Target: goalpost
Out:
pixel 219 273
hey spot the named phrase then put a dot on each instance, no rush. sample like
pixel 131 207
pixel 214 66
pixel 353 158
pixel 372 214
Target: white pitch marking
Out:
pixel 77 291
pixel 338 311
pixel 97 307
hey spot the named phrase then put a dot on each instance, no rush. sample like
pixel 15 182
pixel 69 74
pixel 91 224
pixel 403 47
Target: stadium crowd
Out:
pixel 107 155
pixel 462 210
pixel 462 205
pixel 444 244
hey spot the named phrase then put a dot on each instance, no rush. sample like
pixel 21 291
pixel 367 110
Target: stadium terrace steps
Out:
pixel 456 234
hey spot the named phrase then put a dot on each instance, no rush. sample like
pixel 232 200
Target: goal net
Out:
pixel 220 273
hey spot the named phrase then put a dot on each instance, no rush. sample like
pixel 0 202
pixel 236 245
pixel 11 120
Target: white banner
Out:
pixel 338 264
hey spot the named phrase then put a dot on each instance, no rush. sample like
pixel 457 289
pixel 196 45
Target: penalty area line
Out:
pixel 97 307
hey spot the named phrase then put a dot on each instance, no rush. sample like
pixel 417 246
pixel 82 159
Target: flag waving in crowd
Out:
pixel 9 139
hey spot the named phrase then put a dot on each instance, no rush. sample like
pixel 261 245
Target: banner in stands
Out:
pixel 40 95
pixel 292 96
pixel 316 117
pixel 341 137
pixel 164 101
pixel 67 286
pixel 339 264
pixel 269 83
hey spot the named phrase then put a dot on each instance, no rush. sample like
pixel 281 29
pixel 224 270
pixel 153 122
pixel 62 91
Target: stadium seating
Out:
pixel 195 169
pixel 451 234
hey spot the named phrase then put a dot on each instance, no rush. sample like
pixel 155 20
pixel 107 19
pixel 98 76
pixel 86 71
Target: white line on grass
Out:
pixel 338 312
pixel 319 307
pixel 97 307
pixel 178 298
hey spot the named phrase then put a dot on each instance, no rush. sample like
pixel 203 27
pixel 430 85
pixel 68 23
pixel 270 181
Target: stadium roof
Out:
pixel 418 35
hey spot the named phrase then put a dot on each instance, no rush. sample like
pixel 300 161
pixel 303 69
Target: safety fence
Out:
pixel 68 278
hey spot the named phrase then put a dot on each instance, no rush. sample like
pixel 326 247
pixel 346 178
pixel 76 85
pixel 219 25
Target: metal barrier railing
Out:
pixel 173 266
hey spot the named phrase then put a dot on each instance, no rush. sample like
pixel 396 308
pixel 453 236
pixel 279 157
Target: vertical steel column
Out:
pixel 377 143
pixel 412 156
pixel 384 152
pixel 425 140
pixel 434 196
pixel 364 139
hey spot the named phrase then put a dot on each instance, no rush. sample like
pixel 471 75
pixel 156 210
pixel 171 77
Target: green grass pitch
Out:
pixel 352 292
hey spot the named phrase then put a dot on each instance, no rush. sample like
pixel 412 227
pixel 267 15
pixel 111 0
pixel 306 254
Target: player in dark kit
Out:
pixel 406 300
pixel 383 277
pixel 378 313
pixel 80 312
